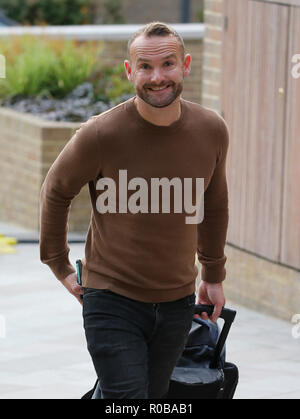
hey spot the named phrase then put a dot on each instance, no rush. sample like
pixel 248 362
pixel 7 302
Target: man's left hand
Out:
pixel 211 294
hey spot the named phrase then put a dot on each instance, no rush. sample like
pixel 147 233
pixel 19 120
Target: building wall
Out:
pixel 252 279
pixel 212 54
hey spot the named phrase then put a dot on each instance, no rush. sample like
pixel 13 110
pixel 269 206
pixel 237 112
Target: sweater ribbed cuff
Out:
pixel 61 268
pixel 213 274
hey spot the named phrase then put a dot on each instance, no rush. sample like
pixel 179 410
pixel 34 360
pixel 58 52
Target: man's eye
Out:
pixel 168 63
pixel 145 66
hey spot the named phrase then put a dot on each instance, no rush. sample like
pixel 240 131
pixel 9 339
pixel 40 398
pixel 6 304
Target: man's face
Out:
pixel 156 62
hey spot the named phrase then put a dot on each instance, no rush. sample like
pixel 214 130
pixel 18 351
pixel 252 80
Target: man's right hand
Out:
pixel 70 282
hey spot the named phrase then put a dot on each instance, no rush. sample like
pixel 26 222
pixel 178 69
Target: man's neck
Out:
pixel 159 116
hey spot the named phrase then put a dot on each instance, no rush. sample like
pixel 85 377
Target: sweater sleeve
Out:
pixel 76 165
pixel 212 230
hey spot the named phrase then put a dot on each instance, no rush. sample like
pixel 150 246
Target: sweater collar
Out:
pixel 131 107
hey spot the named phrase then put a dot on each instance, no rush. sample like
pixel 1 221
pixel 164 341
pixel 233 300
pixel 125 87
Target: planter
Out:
pixel 29 145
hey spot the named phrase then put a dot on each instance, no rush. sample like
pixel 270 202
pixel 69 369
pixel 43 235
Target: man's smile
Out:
pixel 159 89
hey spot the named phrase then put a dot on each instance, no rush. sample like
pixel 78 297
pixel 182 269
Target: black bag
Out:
pixel 201 372
pixel 89 394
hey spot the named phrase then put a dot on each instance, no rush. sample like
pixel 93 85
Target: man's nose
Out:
pixel 157 77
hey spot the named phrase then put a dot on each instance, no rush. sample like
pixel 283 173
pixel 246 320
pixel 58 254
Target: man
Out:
pixel 139 268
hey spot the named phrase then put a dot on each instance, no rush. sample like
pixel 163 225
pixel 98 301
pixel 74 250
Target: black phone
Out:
pixel 79 271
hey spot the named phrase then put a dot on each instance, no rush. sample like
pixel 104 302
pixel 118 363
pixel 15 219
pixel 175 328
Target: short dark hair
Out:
pixel 156 28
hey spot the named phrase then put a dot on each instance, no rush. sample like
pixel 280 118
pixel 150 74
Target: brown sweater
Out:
pixel 146 256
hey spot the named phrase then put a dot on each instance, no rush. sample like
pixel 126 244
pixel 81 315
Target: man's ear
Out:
pixel 128 70
pixel 187 64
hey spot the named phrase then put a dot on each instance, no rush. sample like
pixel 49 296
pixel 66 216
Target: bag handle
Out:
pixel 228 315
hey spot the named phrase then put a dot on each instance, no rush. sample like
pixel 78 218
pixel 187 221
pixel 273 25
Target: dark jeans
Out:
pixel 134 345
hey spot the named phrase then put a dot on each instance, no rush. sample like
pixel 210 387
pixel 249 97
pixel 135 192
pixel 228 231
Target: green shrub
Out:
pixel 35 66
pixel 110 83
pixel 50 12
pixel 54 67
pixel 200 15
pixel 113 12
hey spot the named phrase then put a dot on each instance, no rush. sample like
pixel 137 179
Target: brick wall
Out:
pixel 19 170
pixel 212 54
pixel 29 146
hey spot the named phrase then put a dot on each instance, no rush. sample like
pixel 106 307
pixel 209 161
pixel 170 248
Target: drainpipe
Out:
pixel 185 11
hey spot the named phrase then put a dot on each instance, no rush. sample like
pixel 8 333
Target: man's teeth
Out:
pixel 158 88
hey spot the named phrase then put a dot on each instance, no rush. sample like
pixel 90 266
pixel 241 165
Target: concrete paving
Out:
pixel 43 351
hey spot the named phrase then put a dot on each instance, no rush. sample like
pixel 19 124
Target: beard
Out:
pixel 160 100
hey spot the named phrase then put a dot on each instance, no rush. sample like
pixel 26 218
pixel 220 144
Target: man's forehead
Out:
pixel 154 46
pixel 162 57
